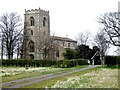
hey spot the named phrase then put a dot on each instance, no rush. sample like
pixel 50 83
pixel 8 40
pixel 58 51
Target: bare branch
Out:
pixel 83 38
pixel 111 25
pixel 11 32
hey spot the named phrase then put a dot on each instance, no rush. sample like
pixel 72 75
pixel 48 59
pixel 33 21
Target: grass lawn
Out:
pixel 51 82
pixel 15 73
pixel 92 78
pixel 102 78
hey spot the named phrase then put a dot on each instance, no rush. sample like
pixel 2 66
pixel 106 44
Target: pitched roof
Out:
pixel 63 39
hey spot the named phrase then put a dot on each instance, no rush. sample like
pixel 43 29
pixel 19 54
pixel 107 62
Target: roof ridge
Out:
pixel 63 38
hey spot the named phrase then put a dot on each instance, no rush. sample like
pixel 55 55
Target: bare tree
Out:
pixel 1 46
pixel 24 48
pixel 83 38
pixel 10 26
pixel 102 44
pixel 111 25
pixel 48 46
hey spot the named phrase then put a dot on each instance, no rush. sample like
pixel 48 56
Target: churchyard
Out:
pixel 99 77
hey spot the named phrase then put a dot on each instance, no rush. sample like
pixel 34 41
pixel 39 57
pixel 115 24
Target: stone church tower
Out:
pixel 36 29
pixel 37 42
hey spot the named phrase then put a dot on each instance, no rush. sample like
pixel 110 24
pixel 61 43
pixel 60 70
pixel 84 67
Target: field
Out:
pixel 92 78
pixel 101 78
pixel 14 73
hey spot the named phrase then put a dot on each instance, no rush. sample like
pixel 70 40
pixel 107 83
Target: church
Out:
pixel 38 43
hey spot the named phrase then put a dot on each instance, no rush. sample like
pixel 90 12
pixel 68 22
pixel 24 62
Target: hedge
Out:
pixel 44 63
pixel 112 60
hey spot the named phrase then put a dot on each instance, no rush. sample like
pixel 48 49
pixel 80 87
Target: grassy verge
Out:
pixel 51 82
pixel 102 78
pixel 37 73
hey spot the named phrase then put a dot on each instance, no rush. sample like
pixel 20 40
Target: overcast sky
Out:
pixel 67 17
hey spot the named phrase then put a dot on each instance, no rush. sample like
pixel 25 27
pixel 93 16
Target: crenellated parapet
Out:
pixel 36 11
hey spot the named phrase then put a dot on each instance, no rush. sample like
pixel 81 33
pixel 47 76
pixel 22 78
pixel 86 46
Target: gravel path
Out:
pixel 28 81
pixel 25 79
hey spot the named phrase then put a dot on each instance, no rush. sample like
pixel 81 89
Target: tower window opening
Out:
pixel 31 46
pixel 44 22
pixel 32 21
pixel 31 56
pixel 31 32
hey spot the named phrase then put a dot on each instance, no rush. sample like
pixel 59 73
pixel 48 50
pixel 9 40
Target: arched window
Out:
pixel 31 46
pixel 31 32
pixel 44 22
pixel 31 56
pixel 32 21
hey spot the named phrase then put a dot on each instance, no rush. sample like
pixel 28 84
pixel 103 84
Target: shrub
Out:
pixel 112 60
pixel 44 63
pixel 69 54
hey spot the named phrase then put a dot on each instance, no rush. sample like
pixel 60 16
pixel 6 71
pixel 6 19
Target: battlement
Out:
pixel 36 11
